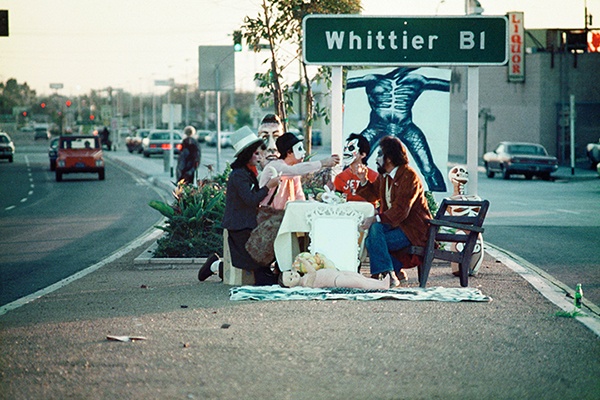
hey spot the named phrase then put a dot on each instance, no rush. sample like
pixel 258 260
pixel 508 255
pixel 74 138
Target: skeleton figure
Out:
pixel 459 176
pixel 391 98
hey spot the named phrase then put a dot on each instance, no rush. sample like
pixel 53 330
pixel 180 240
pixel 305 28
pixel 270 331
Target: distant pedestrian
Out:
pixel 189 156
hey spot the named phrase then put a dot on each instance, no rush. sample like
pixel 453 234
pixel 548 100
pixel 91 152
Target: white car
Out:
pixel 159 140
pixel 211 140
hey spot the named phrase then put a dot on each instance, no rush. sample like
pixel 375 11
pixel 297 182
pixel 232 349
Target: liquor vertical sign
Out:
pixel 365 40
pixel 516 52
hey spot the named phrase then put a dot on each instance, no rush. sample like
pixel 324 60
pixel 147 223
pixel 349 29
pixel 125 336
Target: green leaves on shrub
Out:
pixel 193 221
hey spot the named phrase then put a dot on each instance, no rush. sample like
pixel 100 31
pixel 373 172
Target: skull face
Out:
pixel 351 152
pixel 459 174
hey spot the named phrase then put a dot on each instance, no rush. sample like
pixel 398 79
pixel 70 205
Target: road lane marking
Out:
pixel 568 211
pixel 150 234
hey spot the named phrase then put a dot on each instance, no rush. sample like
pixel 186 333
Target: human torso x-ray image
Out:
pixel 412 104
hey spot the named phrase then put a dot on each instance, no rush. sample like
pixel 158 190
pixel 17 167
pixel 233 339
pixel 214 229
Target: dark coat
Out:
pixel 242 199
pixel 409 210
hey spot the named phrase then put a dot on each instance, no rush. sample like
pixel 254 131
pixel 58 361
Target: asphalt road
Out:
pixel 552 224
pixel 51 230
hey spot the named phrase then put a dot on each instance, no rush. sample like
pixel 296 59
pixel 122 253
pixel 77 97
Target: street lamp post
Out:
pixel 169 82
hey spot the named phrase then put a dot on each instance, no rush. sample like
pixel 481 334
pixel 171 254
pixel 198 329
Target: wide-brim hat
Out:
pixel 285 142
pixel 242 139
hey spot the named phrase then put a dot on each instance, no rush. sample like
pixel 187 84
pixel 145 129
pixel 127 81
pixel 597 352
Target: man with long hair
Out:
pixel 403 214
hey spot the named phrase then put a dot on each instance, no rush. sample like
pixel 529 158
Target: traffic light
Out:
pixel 92 117
pixel 68 103
pixel 24 113
pixel 237 41
pixel 43 105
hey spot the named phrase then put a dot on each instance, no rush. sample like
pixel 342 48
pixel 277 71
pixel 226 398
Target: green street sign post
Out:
pixel 344 40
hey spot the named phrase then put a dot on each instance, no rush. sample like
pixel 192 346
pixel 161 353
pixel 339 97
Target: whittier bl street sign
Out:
pixel 365 40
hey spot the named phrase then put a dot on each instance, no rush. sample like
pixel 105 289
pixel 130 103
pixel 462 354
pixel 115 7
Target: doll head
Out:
pixel 290 278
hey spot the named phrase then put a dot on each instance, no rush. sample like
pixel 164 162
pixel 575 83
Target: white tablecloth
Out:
pixel 294 220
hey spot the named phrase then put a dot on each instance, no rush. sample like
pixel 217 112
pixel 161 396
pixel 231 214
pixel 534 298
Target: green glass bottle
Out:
pixel 578 295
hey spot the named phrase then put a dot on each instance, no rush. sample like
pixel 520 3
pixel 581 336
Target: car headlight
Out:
pixel 99 163
pixel 61 163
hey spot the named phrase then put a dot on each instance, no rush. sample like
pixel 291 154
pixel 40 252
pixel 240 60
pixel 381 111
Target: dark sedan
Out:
pixel 512 158
pixel 134 142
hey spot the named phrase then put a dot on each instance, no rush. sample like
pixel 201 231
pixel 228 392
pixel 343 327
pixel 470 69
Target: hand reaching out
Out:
pixel 331 161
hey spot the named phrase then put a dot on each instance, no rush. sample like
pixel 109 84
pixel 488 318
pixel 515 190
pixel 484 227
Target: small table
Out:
pixel 295 220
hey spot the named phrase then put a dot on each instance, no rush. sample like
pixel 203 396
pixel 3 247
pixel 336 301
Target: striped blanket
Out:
pixel 275 293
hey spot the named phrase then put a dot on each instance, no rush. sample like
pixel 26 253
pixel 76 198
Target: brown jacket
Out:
pixel 409 210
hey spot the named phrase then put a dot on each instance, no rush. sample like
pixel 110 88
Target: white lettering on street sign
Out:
pixel 364 40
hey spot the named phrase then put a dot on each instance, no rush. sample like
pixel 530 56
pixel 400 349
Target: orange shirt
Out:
pixel 348 183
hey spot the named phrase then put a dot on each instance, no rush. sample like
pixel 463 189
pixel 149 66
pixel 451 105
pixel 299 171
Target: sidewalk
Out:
pixel 201 345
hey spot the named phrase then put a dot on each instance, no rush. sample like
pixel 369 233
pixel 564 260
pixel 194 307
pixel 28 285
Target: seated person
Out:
pixel 403 216
pixel 356 150
pixel 290 167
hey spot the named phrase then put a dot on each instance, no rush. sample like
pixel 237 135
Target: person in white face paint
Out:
pixel 269 130
pixel 290 167
pixel 356 150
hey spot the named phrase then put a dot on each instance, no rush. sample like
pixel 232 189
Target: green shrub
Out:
pixel 193 221
pixel 431 203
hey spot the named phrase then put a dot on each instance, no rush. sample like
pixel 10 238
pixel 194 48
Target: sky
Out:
pixel 129 44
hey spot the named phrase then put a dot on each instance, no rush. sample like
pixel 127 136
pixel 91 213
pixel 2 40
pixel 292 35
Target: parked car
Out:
pixel 134 142
pixel 211 140
pixel 202 134
pixel 41 133
pixel 529 159
pixel 53 153
pixel 79 154
pixel 593 153
pixel 7 147
pixel 158 140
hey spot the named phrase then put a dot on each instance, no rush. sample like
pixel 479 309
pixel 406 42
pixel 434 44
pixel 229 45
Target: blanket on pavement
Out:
pixel 275 292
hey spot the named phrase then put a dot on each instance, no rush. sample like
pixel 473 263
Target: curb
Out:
pixel 551 288
pixel 145 261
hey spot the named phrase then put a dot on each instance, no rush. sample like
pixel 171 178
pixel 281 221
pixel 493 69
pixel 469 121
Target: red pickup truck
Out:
pixel 79 154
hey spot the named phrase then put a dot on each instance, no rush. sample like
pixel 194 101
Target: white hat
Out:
pixel 242 138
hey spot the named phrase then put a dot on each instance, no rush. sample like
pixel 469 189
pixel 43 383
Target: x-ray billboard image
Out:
pixel 412 104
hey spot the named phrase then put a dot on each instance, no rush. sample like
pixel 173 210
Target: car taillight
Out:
pixel 165 146
pixel 152 146
pixel 179 146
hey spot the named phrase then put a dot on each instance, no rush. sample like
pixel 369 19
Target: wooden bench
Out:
pixel 466 227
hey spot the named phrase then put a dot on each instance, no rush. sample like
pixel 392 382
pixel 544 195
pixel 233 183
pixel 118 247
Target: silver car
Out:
pixel 7 147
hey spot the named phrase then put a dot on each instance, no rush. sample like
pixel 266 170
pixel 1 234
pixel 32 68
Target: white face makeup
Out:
pixel 299 151
pixel 257 158
pixel 379 160
pixel 351 152
pixel 269 134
